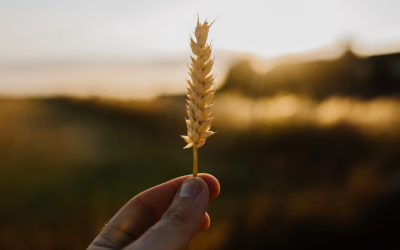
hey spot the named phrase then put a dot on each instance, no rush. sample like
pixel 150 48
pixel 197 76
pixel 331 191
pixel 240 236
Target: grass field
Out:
pixel 67 166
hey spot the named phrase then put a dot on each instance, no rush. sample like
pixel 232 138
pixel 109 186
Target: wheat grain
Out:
pixel 201 89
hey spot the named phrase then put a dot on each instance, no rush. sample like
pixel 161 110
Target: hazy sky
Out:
pixel 36 30
pixel 139 49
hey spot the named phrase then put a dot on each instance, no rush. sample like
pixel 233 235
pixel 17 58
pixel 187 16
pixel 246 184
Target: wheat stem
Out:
pixel 194 162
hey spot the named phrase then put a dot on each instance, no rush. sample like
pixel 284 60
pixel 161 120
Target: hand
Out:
pixel 164 217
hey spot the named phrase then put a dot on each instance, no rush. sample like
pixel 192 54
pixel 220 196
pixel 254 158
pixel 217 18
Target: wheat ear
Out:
pixel 201 90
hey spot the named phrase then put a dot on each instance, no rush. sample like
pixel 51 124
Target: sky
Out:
pixel 45 32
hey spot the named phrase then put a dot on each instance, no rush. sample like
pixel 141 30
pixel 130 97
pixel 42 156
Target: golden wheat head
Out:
pixel 201 90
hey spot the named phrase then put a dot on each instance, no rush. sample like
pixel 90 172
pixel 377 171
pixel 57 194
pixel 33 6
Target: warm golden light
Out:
pixel 380 115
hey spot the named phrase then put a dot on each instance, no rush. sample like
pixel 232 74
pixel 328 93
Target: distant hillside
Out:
pixel 348 75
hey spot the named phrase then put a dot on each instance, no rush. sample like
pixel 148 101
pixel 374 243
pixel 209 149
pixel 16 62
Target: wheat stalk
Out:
pixel 201 90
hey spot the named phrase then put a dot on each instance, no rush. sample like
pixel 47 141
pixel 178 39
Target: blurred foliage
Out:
pixel 347 76
pixel 67 166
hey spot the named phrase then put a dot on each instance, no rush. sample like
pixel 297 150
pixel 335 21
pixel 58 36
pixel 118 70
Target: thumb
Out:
pixel 180 222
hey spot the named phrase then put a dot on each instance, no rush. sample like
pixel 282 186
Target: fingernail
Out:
pixel 190 188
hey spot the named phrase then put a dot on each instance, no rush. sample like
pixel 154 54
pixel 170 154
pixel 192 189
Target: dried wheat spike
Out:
pixel 201 89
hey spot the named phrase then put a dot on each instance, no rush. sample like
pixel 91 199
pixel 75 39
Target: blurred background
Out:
pixel 307 113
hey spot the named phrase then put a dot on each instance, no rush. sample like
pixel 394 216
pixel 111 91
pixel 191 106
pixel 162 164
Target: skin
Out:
pixel 165 217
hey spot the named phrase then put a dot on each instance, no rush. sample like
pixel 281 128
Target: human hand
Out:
pixel 164 217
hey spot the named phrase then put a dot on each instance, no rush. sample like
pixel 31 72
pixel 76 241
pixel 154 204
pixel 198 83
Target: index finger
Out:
pixel 157 199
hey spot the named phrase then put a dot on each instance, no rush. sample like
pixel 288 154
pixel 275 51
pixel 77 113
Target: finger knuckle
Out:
pixel 177 215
